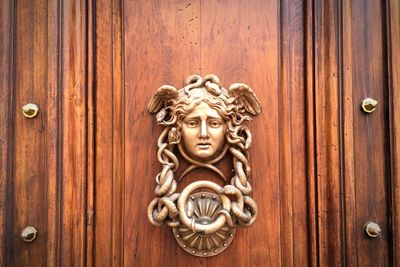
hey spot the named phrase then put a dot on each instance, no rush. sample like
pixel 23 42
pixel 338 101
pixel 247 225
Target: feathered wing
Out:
pixel 161 98
pixel 245 96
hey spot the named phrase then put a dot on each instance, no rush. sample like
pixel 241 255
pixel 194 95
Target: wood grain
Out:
pixel 222 43
pixel 295 235
pixel 350 235
pixel 74 134
pixel 364 139
pixel 6 141
pixel 162 46
pixel 312 201
pixel 91 134
pixel 83 171
pixel 393 41
pixel 327 134
pixel 109 129
pixel 29 179
pixel 44 152
pixel 104 134
pixel 351 158
pixel 53 146
pixel 240 44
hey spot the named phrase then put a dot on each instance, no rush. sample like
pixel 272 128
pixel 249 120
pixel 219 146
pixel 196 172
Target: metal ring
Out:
pixel 197 227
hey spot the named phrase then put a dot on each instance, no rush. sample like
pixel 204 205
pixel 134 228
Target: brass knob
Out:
pixel 30 110
pixel 372 229
pixel 29 234
pixel 368 105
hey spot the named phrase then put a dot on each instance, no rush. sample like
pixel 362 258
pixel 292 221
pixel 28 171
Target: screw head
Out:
pixel 372 229
pixel 368 105
pixel 29 234
pixel 30 110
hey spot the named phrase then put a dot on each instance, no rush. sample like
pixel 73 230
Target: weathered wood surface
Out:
pixel 83 171
pixel 241 42
pixel 44 160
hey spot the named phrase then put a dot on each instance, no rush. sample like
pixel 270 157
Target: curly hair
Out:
pixel 226 107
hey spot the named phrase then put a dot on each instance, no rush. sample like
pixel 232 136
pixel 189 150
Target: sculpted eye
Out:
pixel 192 123
pixel 215 123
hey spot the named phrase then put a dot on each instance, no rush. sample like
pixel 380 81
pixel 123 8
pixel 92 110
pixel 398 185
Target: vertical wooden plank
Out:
pixel 240 44
pixel 349 67
pixel 109 134
pixel 29 180
pixel 104 133
pixel 327 119
pixel 293 154
pixel 285 136
pixel 118 134
pixel 109 128
pixel 393 40
pixel 36 167
pixel 370 162
pixel 312 218
pixel 53 137
pixel 74 134
pixel 350 233
pixel 91 133
pixel 162 46
pixel 6 113
pixel 297 102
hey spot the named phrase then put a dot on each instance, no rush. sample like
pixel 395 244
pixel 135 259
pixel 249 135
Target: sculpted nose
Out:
pixel 203 130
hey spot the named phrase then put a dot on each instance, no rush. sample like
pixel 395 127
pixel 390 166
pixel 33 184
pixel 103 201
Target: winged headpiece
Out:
pixel 238 93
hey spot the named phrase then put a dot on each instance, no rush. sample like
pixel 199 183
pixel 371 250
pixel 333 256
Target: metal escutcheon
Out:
pixel 372 229
pixel 30 110
pixel 29 234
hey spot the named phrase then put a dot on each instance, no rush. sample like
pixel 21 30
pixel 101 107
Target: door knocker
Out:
pixel 203 121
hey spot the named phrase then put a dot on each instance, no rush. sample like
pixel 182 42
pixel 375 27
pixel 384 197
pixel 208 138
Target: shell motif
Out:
pixel 203 207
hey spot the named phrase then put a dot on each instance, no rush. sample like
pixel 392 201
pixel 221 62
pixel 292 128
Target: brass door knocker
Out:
pixel 203 121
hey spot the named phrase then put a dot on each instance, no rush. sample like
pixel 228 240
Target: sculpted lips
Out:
pixel 204 145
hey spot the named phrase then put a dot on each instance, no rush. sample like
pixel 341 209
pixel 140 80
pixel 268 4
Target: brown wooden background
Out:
pixel 83 171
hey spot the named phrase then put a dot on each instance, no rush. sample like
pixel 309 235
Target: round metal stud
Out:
pixel 368 105
pixel 372 229
pixel 30 110
pixel 29 234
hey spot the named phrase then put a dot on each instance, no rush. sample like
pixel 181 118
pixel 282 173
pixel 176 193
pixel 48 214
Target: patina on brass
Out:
pixel 368 105
pixel 30 110
pixel 372 229
pixel 29 234
pixel 203 121
pixel 204 207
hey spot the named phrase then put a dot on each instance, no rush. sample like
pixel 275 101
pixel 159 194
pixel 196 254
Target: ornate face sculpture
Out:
pixel 203 132
pixel 203 121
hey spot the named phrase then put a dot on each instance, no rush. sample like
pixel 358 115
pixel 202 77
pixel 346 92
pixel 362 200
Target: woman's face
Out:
pixel 203 132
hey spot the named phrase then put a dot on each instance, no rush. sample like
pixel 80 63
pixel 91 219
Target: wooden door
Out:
pixel 163 43
pixel 83 171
